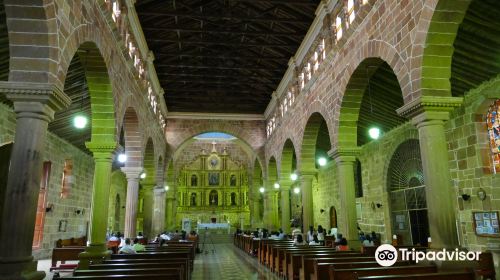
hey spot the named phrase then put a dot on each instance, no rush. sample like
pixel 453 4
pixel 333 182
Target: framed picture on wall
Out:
pixel 486 223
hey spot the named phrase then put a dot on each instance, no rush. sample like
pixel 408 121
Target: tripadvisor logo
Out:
pixel 387 255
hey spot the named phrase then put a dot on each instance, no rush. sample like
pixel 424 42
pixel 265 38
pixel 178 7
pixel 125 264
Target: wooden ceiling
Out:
pixel 223 56
pixel 477 47
pixel 4 50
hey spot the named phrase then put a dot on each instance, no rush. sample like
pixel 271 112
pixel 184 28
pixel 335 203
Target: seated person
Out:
pixel 127 248
pixel 140 235
pixel 138 247
pixel 157 239
pixel 115 237
pixel 281 235
pixel 368 241
pixel 338 239
pixel 296 231
pixel 299 241
pixel 342 245
pixel 314 240
pixel 122 241
pixel 165 236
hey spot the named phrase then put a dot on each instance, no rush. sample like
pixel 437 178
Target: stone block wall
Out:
pixel 325 195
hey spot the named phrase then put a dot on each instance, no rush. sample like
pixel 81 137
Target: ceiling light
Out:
pixel 322 161
pixel 296 190
pixel 374 133
pixel 294 177
pixel 166 188
pixel 143 175
pixel 122 158
pixel 276 185
pixel 80 121
pixel 261 189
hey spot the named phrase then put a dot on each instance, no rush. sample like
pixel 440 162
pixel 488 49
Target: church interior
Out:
pixel 249 139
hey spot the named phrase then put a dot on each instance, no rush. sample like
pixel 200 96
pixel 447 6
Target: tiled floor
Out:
pixel 228 263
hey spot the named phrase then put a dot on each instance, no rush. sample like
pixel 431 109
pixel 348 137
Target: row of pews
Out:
pixel 173 261
pixel 325 263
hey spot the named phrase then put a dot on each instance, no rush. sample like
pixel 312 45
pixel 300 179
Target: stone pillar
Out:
pixel 346 159
pixel 169 220
pixel 429 114
pixel 158 211
pixel 307 201
pixel 256 221
pixel 34 105
pixel 285 206
pixel 132 174
pixel 97 250
pixel 148 209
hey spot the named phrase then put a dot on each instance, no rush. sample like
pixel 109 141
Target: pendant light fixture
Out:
pixel 80 120
pixel 374 132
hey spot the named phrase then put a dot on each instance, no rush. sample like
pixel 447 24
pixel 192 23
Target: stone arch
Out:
pixel 133 138
pixel 351 104
pixel 288 160
pixel 310 138
pixel 149 163
pixel 441 19
pixel 272 172
pixel 39 26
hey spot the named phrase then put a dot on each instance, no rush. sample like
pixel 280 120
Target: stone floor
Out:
pixel 226 263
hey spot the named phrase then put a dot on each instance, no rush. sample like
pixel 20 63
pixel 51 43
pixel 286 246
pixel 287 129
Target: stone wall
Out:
pixel 57 151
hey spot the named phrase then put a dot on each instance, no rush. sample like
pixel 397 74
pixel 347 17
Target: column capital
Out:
pixel 148 186
pixel 285 184
pixel 132 172
pixel 159 190
pixel 35 100
pixel 102 150
pixel 307 175
pixel 430 108
pixel 347 154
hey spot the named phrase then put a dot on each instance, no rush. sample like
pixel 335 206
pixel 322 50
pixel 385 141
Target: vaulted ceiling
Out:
pixel 224 56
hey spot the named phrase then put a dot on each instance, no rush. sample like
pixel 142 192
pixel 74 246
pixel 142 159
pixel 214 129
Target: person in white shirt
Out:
pixel 281 235
pixel 140 235
pixel 314 240
pixel 310 234
pixel 368 241
pixel 299 241
pixel 165 236
pixel 114 238
pixel 122 241
pixel 127 248
pixel 296 232
pixel 321 235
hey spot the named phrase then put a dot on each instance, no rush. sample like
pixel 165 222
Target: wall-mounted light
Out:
pixel 294 176
pixel 166 188
pixel 261 189
pixel 296 190
pixel 49 208
pixel 122 158
pixel 465 197
pixel 276 185
pixel 79 211
pixel 80 121
pixel 374 133
pixel 322 211
pixel 378 205
pixel 322 161
pixel 143 175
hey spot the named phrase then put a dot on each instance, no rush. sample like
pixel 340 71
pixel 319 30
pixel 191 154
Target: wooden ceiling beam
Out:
pixel 221 56
pixel 202 17
pixel 218 31
pixel 249 68
pixel 220 43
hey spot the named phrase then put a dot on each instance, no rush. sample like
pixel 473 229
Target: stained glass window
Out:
pixel 493 123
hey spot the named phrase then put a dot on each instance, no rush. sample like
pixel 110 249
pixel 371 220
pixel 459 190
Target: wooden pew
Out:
pixel 176 272
pixel 423 276
pixel 289 254
pixel 78 242
pixel 295 264
pixel 322 267
pixel 63 255
pixel 293 273
pixel 353 273
pixel 164 263
pixel 308 261
pixel 172 276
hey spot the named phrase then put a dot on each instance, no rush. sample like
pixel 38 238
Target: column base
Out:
pixel 20 270
pixel 94 253
pixel 354 244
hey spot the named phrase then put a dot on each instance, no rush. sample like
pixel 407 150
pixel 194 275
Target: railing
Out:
pixel 213 208
pixel 141 58
pixel 326 34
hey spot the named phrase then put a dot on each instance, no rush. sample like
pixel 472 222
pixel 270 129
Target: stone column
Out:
pixel 346 159
pixel 307 201
pixel 285 205
pixel 158 211
pixel 34 105
pixel 132 174
pixel 256 221
pixel 169 220
pixel 148 209
pixel 103 158
pixel 429 114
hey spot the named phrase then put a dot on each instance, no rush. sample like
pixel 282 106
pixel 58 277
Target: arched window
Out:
pixel 338 27
pixel 350 10
pixel 493 123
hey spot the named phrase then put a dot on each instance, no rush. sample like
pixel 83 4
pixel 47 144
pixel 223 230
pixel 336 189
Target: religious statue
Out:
pixel 214 198
pixel 232 182
pixel 193 199
pixel 233 199
pixel 194 180
pixel 213 179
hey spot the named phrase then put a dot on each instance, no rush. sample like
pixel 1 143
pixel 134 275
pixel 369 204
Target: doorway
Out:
pixel 333 217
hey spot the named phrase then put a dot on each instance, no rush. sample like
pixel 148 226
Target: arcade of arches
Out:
pixel 371 115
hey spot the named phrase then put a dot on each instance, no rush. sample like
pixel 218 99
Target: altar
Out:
pixel 202 226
